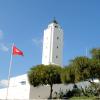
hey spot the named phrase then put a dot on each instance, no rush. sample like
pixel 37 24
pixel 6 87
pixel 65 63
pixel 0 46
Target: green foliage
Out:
pixel 77 70
pixel 80 69
pixel 52 74
pixel 95 52
pixel 84 98
pixel 68 75
pixel 94 69
pixel 36 75
pixel 45 74
pixel 80 65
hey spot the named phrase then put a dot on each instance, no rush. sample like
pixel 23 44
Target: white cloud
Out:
pixel 37 41
pixel 3 47
pixel 3 83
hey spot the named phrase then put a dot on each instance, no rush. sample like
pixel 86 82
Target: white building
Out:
pixel 53 44
pixel 20 89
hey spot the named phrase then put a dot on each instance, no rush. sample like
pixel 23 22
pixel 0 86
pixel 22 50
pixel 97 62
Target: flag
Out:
pixel 17 51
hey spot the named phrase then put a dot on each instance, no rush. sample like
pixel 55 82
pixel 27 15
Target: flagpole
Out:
pixel 9 71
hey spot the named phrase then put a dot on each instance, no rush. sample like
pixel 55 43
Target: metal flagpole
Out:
pixel 9 72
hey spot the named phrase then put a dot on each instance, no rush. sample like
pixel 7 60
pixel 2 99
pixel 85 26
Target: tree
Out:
pixel 80 67
pixel 83 68
pixel 94 69
pixel 45 74
pixel 68 75
pixel 95 52
pixel 77 70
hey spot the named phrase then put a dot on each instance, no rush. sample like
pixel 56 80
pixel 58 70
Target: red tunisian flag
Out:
pixel 16 51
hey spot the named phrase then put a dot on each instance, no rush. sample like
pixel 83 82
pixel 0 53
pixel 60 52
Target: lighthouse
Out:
pixel 53 44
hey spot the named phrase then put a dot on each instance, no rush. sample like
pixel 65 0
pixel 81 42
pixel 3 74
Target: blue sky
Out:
pixel 23 22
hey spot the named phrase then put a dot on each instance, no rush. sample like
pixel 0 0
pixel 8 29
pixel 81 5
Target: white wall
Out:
pixel 46 46
pixel 58 33
pixel 19 88
pixel 43 92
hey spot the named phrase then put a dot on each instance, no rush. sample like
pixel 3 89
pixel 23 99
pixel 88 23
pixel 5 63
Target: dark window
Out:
pixel 23 82
pixel 56 26
pixel 57 46
pixel 57 38
pixel 56 56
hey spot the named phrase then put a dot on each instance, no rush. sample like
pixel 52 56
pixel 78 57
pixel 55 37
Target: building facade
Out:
pixel 20 89
pixel 53 44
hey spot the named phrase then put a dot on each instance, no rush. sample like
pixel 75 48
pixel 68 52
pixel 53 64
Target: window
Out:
pixel 57 46
pixel 56 56
pixel 56 26
pixel 23 82
pixel 57 38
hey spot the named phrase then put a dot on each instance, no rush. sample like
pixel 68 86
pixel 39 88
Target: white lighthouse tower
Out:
pixel 53 44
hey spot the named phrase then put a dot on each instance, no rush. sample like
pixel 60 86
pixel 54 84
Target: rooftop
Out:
pixel 54 21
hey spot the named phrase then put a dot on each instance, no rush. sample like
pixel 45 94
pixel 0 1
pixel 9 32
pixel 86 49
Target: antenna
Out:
pixel 54 20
